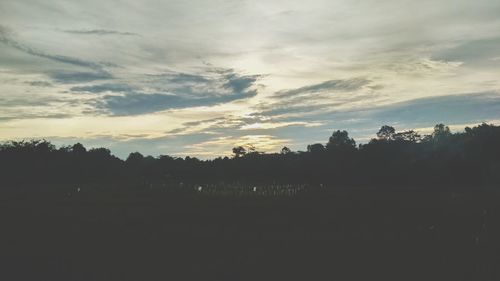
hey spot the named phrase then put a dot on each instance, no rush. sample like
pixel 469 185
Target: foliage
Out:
pixel 404 159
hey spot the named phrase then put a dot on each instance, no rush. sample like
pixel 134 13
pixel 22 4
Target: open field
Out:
pixel 158 233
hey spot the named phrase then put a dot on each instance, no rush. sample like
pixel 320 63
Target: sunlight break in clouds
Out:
pixel 198 77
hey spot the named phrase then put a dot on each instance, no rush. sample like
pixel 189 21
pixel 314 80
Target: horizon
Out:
pixel 197 78
pixel 250 148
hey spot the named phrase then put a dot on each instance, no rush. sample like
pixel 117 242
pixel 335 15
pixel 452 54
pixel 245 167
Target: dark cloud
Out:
pixel 303 104
pixel 296 109
pixel 239 126
pixel 39 83
pixel 6 39
pixel 331 85
pixel 176 131
pixel 33 107
pixel 134 103
pixel 173 90
pixel 239 84
pixel 101 32
pixel 215 81
pixel 184 84
pixel 138 103
pixel 30 101
pixel 484 52
pixel 310 99
pixel 35 116
pixel 185 78
pixel 417 113
pixel 68 77
pixel 97 71
pixel 201 122
pixel 126 136
pixel 103 88
pixel 451 109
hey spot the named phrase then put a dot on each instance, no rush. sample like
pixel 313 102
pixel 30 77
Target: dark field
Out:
pixel 155 233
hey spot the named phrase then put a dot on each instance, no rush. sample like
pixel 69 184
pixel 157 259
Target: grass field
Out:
pixel 157 232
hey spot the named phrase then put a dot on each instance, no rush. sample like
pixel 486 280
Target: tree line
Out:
pixel 468 159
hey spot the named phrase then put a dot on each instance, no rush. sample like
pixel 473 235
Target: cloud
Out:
pixel 100 32
pixel 238 83
pixel 39 84
pixel 475 52
pixel 34 107
pixel 206 121
pixel 450 109
pixel 347 85
pixel 322 98
pixel 139 103
pixel 273 125
pixel 69 77
pixel 97 70
pixel 30 101
pixel 210 82
pixel 331 95
pixel 108 87
pixel 6 39
pixel 362 123
pixel 134 103
pixel 183 78
pixel 173 90
pixel 28 115
pixel 237 125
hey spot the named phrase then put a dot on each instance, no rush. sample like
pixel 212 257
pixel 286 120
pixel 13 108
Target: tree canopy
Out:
pixel 405 158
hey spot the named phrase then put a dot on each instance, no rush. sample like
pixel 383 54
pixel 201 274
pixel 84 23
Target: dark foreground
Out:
pixel 150 234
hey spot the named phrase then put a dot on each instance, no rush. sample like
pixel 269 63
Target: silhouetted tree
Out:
pixel 315 148
pixel 239 151
pixel 134 158
pixel 443 159
pixel 386 133
pixel 441 132
pixel 285 150
pixel 78 149
pixel 406 136
pixel 340 139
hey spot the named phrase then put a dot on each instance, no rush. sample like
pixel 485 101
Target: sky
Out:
pixel 198 77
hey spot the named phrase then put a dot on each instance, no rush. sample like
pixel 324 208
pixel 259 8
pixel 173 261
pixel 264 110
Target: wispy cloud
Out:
pixel 39 83
pixel 274 125
pixel 70 77
pixel 5 38
pixel 96 72
pixel 347 85
pixel 331 95
pixel 100 32
pixel 100 88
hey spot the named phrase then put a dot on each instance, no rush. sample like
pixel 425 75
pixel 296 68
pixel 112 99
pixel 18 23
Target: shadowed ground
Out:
pixel 156 234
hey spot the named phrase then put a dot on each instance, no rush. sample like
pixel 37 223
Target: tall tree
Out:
pixel 340 139
pixel 239 151
pixel 386 133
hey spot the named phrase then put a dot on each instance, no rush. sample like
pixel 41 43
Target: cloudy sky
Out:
pixel 197 77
